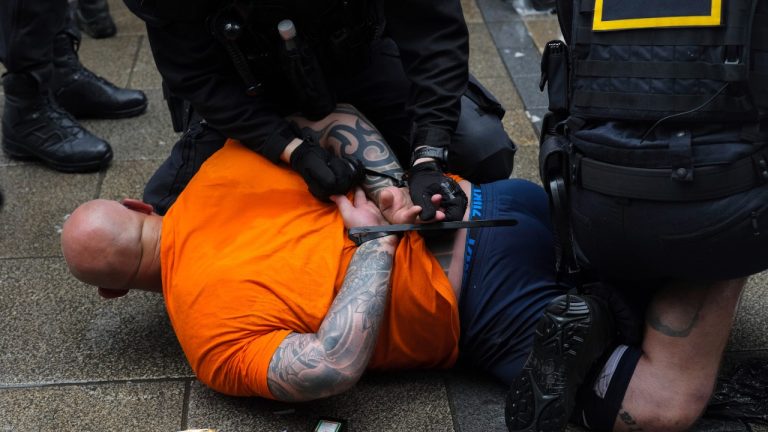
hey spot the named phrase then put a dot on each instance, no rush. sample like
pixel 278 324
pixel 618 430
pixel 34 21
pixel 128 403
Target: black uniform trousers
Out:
pixel 27 30
pixel 480 151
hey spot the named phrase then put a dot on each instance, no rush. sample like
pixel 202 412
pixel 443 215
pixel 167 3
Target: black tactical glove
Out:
pixel 325 173
pixel 427 179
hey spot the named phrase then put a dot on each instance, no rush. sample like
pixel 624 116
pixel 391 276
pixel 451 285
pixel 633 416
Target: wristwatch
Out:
pixel 440 154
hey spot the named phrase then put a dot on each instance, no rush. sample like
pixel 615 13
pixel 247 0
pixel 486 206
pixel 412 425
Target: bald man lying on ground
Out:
pixel 268 297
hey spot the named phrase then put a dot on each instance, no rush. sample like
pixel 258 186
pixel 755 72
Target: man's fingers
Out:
pixel 342 202
pixel 360 197
pixel 436 200
pixel 386 199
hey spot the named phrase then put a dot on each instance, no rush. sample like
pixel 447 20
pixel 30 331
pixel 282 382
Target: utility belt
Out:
pixel 336 42
pixel 563 167
pixel 708 183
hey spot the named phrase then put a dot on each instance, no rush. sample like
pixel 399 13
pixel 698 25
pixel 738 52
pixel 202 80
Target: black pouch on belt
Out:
pixel 554 74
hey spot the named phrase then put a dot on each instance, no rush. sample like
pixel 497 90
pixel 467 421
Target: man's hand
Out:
pixel 362 212
pixel 325 173
pixel 427 179
pixel 397 207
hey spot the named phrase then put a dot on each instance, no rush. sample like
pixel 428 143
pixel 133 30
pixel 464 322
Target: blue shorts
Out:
pixel 509 277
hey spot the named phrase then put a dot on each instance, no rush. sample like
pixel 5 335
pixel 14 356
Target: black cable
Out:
pixel 707 102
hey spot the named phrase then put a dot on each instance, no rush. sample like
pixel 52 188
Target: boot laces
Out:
pixel 62 119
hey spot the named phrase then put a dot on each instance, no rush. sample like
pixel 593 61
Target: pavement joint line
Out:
pixel 185 405
pixel 135 61
pixel 23 386
pixel 451 404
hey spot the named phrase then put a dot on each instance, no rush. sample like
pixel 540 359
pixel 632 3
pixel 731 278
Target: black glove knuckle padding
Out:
pixel 325 173
pixel 427 179
pixel 454 199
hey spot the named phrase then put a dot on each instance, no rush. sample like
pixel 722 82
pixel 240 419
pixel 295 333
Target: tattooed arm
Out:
pixel 349 133
pixel 311 366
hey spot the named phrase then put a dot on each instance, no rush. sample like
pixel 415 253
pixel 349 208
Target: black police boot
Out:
pixel 92 17
pixel 35 128
pixel 573 333
pixel 85 95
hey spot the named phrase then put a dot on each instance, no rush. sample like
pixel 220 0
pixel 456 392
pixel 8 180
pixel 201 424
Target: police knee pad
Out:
pixel 489 162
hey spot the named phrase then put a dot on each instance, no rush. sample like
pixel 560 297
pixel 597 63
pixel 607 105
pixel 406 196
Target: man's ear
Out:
pixel 137 205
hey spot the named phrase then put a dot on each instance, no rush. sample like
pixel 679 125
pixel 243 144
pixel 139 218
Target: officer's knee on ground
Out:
pixel 682 407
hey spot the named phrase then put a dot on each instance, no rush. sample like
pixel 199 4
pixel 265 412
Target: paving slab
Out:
pixel 484 61
pixel 58 330
pixel 37 200
pixel 408 401
pixel 145 74
pixel 149 136
pixel 126 179
pixel 121 51
pixel 147 406
pixel 751 320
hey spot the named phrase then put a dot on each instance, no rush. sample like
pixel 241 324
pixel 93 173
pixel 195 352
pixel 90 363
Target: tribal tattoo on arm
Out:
pixel 362 141
pixel 312 366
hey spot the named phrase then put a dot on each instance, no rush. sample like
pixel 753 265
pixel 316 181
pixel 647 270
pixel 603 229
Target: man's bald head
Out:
pixel 102 244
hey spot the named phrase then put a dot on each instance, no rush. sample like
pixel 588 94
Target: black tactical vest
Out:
pixel 691 60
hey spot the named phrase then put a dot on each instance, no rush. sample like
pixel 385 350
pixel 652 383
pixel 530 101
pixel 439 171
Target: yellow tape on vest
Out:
pixel 649 14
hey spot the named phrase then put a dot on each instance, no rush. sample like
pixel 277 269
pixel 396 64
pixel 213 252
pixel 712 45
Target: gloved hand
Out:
pixel 325 173
pixel 427 179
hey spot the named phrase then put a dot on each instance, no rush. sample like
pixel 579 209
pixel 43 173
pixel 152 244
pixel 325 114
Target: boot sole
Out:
pixel 20 152
pixel 538 397
pixel 126 113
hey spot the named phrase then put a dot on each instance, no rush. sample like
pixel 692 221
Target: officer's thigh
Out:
pixel 701 240
pixel 194 147
pixel 481 151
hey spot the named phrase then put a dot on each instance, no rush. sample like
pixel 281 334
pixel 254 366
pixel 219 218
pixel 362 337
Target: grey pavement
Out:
pixel 72 361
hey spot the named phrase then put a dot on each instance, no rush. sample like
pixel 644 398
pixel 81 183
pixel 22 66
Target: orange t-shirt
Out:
pixel 249 256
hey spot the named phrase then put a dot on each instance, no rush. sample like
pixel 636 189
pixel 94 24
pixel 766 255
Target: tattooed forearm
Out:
pixel 311 366
pixel 629 422
pixel 349 133
pixel 365 143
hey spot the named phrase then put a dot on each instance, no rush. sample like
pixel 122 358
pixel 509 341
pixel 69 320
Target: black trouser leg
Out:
pixel 196 145
pixel 27 30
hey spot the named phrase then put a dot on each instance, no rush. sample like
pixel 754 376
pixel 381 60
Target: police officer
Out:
pixel 401 63
pixel 46 85
pixel 656 159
